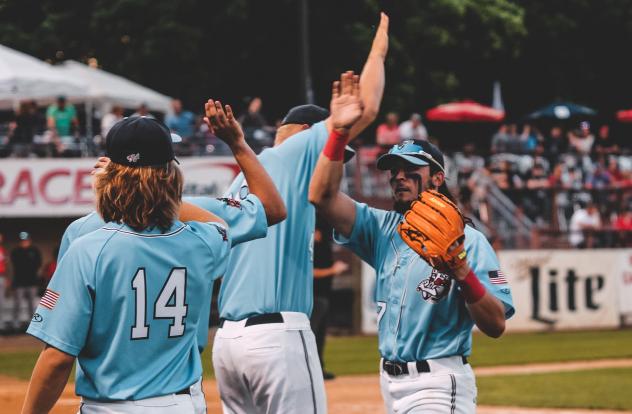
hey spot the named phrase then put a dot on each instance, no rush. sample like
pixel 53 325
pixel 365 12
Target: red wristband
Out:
pixel 335 146
pixel 472 289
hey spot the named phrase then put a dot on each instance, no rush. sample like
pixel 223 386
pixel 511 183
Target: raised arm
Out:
pixel 324 190
pixel 371 80
pixel 223 124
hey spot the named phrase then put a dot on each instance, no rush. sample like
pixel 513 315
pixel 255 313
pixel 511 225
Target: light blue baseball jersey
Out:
pixel 274 274
pixel 127 305
pixel 246 220
pixel 421 314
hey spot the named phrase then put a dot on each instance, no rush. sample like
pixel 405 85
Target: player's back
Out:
pixel 274 273
pixel 141 294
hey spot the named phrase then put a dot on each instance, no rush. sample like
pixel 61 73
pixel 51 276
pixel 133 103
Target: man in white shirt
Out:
pixel 584 219
pixel 413 129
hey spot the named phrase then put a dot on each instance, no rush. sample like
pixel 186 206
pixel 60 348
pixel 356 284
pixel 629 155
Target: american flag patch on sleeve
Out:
pixel 49 300
pixel 497 277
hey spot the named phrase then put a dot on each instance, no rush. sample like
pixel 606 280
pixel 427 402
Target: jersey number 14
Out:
pixel 174 287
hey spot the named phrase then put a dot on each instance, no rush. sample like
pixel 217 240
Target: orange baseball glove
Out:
pixel 434 228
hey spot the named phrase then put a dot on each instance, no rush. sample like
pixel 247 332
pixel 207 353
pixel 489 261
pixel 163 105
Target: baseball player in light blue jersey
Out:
pixel 264 353
pixel 425 317
pixel 247 219
pixel 126 300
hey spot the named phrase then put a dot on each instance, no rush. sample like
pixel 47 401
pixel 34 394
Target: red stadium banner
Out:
pixel 63 187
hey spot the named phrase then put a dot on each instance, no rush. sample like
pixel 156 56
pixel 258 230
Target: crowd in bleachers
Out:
pixel 56 130
pixel 549 174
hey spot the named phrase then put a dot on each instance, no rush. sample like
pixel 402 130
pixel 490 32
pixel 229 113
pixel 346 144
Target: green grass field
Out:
pixel 598 388
pixel 603 388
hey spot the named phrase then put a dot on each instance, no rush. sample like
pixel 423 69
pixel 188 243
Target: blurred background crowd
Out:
pixel 529 182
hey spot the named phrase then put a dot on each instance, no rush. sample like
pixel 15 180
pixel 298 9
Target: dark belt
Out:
pixel 186 391
pixel 401 368
pixel 259 319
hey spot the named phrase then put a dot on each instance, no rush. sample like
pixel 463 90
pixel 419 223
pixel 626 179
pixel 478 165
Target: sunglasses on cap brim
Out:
pixel 414 150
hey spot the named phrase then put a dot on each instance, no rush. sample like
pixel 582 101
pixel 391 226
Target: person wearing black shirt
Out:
pixel 26 260
pixel 325 268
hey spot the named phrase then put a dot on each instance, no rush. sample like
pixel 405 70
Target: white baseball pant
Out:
pixel 270 368
pixel 166 404
pixel 449 388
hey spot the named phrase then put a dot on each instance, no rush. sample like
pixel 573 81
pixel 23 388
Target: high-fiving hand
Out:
pixel 222 123
pixel 346 105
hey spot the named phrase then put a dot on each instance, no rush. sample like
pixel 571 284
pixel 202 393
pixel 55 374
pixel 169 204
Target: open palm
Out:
pixel 346 105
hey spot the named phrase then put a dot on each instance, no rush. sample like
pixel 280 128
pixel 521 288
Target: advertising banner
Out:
pixel 62 187
pixel 563 289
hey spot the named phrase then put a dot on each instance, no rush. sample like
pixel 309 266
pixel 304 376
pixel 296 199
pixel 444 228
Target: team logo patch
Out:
pixel 231 202
pixel 37 317
pixel 436 287
pixel 222 231
pixel 133 158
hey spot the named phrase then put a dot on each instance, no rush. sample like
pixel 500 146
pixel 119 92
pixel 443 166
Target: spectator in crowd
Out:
pixel 604 144
pixel 514 140
pixel 599 178
pixel 387 133
pixel 413 129
pixel 109 119
pixel 183 123
pixel 479 184
pixel 48 271
pixel 253 118
pixel 537 199
pixel 26 260
pixel 61 118
pixel 180 122
pixel 505 176
pixel 27 124
pixel 530 139
pixel 143 110
pixel 540 158
pixel 582 222
pixel 466 163
pixel 500 140
pixel 555 144
pixel 581 140
pixel 623 225
pixel 325 268
pixel 614 171
pixel 259 134
pixel 5 285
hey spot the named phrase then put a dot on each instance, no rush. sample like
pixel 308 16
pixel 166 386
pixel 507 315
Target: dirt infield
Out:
pixel 354 394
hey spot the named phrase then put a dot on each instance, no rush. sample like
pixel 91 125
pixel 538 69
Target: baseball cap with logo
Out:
pixel 309 115
pixel 140 141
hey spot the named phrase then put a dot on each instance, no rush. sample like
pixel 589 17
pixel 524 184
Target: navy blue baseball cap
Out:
pixel 140 141
pixel 309 115
pixel 414 152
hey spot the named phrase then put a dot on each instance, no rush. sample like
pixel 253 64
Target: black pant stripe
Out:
pixel 453 402
pixel 309 370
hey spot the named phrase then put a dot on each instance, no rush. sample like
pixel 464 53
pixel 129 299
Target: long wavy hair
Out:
pixel 141 197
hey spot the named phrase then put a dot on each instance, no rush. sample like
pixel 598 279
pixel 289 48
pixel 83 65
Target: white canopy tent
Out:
pixel 25 77
pixel 106 89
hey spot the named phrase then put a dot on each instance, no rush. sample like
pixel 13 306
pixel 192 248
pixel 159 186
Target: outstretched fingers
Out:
pixel 346 79
pixel 335 90
pixel 221 116
pixel 229 113
pixel 356 86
